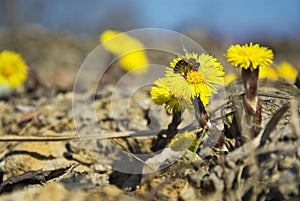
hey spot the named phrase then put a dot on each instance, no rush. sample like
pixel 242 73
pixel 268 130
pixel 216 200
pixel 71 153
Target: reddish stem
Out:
pixel 200 112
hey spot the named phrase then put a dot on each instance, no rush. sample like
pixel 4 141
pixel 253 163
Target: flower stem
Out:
pixel 250 78
pixel 250 99
pixel 200 113
pixel 176 120
pixel 199 140
pixel 164 136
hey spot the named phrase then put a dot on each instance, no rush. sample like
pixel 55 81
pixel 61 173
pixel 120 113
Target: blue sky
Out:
pixel 228 18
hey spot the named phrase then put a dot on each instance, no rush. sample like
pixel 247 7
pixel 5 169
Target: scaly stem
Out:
pixel 200 113
pixel 250 78
pixel 250 99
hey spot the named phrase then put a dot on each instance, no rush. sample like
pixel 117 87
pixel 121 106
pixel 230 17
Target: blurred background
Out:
pixel 54 36
pixel 237 20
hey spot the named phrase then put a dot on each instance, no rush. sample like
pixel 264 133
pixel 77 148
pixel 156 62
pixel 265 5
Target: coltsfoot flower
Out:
pixel 249 56
pixel 194 75
pixel 130 50
pixel 229 77
pixel 162 95
pixel 119 43
pixel 268 72
pixel 13 70
pixel 284 70
pixel 287 71
pixel 188 83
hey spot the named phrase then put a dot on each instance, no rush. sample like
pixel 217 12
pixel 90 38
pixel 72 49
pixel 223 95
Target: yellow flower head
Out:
pixel 182 141
pixel 249 56
pixel 161 95
pixel 131 51
pixel 287 71
pixel 229 77
pixel 13 70
pixel 194 75
pixel 267 72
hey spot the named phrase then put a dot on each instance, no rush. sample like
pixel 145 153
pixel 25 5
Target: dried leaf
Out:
pixel 272 123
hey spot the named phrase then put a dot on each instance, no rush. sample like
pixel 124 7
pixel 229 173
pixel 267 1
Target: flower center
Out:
pixel 8 70
pixel 193 77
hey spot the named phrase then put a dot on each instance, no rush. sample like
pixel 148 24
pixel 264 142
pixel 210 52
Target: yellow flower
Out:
pixel 136 62
pixel 131 51
pixel 267 72
pixel 161 95
pixel 252 56
pixel 196 76
pixel 229 77
pixel 119 43
pixel 287 71
pixel 182 141
pixel 284 70
pixel 13 70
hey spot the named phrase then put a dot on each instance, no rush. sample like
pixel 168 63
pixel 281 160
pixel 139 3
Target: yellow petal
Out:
pixel 131 50
pixel 287 71
pixel 136 61
pixel 13 69
pixel 249 56
pixel 267 72
pixel 229 77
pixel 119 43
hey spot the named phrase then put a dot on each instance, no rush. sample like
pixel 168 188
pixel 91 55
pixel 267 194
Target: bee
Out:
pixel 183 66
pixel 194 63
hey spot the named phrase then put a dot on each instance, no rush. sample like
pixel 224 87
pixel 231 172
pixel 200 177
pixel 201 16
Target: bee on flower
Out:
pixel 192 78
pixel 13 69
pixel 188 83
pixel 201 76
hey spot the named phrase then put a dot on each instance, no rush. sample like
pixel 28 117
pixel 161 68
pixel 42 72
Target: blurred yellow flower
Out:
pixel 119 43
pixel 287 71
pixel 194 75
pixel 182 141
pixel 13 70
pixel 249 56
pixel 136 62
pixel 284 70
pixel 267 72
pixel 229 77
pixel 161 94
pixel 131 51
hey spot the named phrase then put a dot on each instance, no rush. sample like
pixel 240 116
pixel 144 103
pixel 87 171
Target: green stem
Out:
pixel 200 139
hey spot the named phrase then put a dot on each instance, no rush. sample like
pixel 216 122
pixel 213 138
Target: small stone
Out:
pixel 188 193
pixel 100 168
